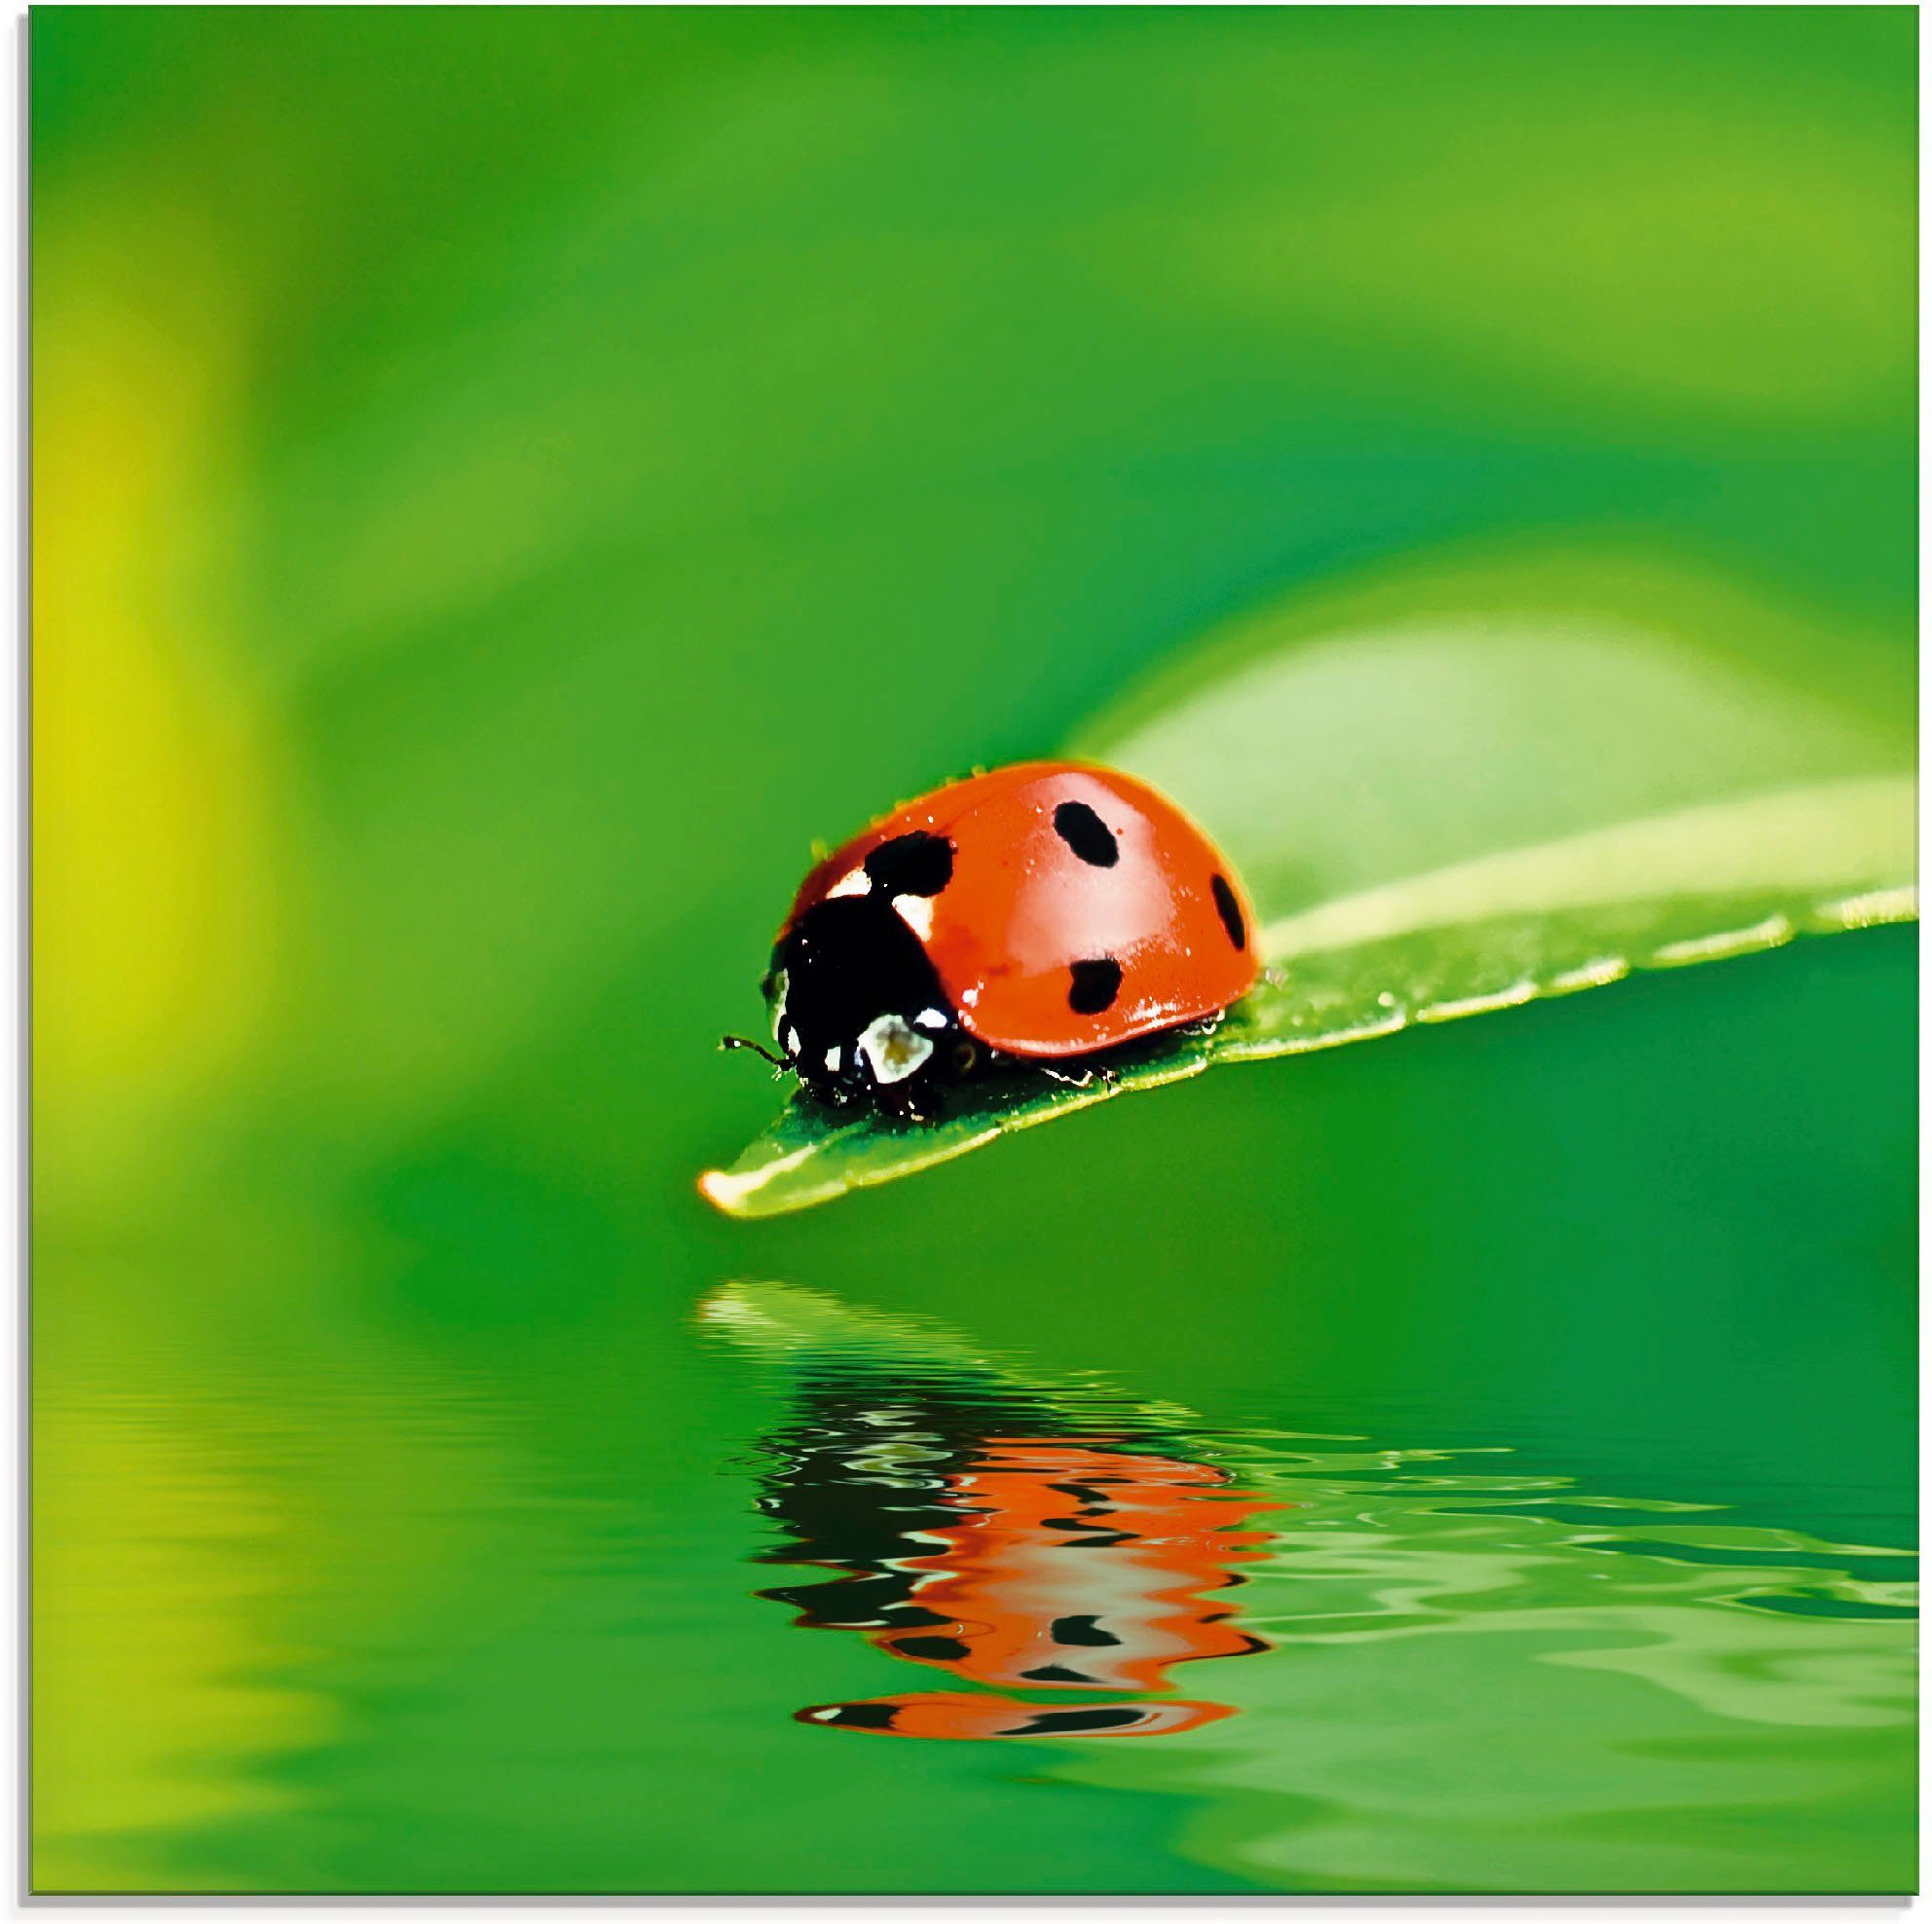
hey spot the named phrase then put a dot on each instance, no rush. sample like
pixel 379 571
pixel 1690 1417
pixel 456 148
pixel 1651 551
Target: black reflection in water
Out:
pixel 1003 1537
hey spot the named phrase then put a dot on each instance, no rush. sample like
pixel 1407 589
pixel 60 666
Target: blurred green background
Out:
pixel 505 481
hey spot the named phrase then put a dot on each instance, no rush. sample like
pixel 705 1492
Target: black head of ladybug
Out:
pixel 859 1013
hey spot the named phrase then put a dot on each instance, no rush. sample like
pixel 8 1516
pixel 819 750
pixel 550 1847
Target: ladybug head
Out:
pixel 859 1012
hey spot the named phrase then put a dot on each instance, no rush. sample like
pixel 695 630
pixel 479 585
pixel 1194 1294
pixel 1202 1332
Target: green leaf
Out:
pixel 1458 789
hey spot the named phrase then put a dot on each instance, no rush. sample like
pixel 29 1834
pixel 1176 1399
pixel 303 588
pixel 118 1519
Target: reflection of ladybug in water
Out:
pixel 959 1714
pixel 1035 1603
pixel 1043 912
pixel 1063 1564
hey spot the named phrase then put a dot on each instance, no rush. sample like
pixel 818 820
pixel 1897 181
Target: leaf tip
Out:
pixel 724 1191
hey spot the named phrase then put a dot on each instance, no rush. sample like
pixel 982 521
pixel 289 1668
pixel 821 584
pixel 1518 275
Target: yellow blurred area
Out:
pixel 152 1636
pixel 154 887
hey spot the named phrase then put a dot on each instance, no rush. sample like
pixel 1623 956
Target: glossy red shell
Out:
pixel 1022 908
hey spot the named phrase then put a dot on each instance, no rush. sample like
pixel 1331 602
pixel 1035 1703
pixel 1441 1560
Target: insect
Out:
pixel 1042 913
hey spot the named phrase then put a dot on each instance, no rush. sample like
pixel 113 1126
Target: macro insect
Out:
pixel 1042 913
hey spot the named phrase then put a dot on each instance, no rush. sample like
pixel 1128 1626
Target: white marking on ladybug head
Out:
pixel 931 1018
pixel 781 987
pixel 894 1048
pixel 917 912
pixel 832 1059
pixel 790 1040
pixel 858 882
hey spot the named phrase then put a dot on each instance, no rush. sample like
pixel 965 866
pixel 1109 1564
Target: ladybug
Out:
pixel 1042 913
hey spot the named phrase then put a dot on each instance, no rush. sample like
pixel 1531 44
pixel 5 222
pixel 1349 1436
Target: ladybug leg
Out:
pixel 780 1066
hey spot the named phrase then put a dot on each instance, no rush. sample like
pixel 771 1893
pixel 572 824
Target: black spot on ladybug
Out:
pixel 1086 835
pixel 1231 919
pixel 1056 1673
pixel 917 863
pixel 1095 986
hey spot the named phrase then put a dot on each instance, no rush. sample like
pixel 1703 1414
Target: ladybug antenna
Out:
pixel 727 1043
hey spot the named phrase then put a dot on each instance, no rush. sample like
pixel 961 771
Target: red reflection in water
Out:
pixel 1063 1564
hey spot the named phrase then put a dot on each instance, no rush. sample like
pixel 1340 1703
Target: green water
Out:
pixel 1587 1408
pixel 506 481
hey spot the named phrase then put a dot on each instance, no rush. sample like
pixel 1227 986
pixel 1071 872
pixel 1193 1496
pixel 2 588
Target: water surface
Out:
pixel 1244 1558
